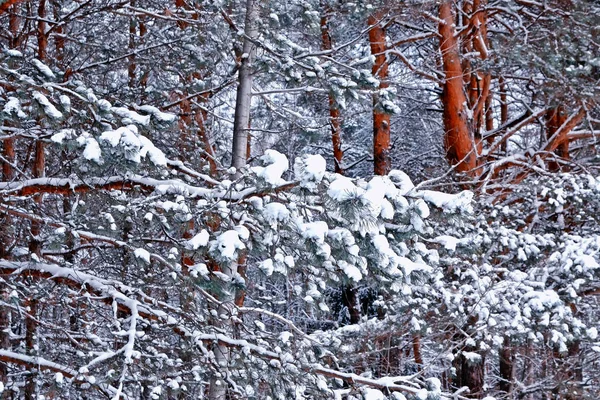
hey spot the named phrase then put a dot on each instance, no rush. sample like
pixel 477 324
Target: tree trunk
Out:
pixel 218 384
pixel 458 142
pixel 244 90
pixel 506 358
pixel 8 149
pixel 41 31
pixel 381 119
pixel 30 339
pixel 201 117
pixel 469 373
pixel 6 4
pixel 35 244
pixel 4 332
pixel 416 344
pixel 503 108
pixel 554 120
pixel 59 35
pixel 39 164
pixel 334 111
pixel 131 68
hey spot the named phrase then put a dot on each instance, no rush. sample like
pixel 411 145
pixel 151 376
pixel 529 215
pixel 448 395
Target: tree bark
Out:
pixel 30 333
pixel 555 118
pixel 35 244
pixel 470 374
pixel 506 358
pixel 218 384
pixel 4 333
pixel 5 4
pixel 334 111
pixel 42 37
pixel 458 141
pixel 381 119
pixel 503 107
pixel 244 90
pixel 39 163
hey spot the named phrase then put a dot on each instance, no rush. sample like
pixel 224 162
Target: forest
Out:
pixel 300 199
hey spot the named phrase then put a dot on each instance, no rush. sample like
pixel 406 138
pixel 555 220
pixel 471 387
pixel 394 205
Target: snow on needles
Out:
pixel 309 170
pixel 135 145
pixel 276 164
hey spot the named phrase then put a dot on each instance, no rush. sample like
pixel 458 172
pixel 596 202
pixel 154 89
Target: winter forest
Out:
pixel 300 199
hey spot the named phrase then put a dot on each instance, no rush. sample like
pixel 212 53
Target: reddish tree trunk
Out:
pixel 503 106
pixel 334 112
pixel 13 27
pixel 554 120
pixel 381 119
pixel 30 332
pixel 39 163
pixel 35 244
pixel 416 344
pixel 41 31
pixel 5 4
pixel 201 118
pixel 131 68
pixel 506 358
pixel 458 142
pixel 59 36
pixel 4 331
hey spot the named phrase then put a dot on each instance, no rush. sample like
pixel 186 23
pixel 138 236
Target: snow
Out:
pixel 275 212
pixel 13 53
pixel 113 137
pixel 472 357
pixel 159 115
pixel 374 197
pixel 92 150
pixel 243 232
pixel 402 181
pixel 14 106
pixel 266 266
pixel 227 244
pixel 310 170
pixel 130 116
pixel 156 392
pixel 373 394
pixel 147 148
pixel 315 231
pixel 276 164
pixel 351 271
pixel 49 109
pixel 63 134
pixel 342 189
pixel 422 208
pixel 199 269
pixel 44 69
pixel 65 102
pixel 135 145
pixel 142 254
pixel 449 202
pixel 199 240
pixel 449 242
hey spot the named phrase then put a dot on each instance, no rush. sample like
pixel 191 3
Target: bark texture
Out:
pixel 334 111
pixel 458 141
pixel 218 383
pixel 506 358
pixel 555 118
pixel 244 90
pixel 381 119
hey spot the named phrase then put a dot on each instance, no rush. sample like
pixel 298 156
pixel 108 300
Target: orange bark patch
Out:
pixel 381 120
pixel 458 143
